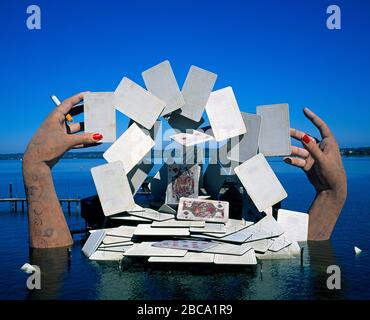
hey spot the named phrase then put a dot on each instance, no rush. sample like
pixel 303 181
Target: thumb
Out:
pixel 312 147
pixel 86 138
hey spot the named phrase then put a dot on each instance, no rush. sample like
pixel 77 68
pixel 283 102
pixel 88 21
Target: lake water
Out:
pixel 79 278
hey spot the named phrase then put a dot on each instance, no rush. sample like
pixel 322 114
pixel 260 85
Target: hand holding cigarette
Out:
pixel 47 225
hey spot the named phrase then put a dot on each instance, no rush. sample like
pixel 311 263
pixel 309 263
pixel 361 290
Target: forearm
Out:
pixel 324 213
pixel 46 221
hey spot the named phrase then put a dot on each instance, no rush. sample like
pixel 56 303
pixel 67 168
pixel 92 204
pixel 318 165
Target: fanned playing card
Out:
pixel 247 146
pixel 137 103
pixel 130 148
pixel 196 90
pixel 100 114
pixel 295 224
pixel 274 139
pixel 183 181
pixel 260 182
pixel 161 81
pixel 224 115
pixel 207 210
pixel 113 188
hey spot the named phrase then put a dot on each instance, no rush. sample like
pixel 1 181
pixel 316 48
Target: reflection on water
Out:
pixel 76 277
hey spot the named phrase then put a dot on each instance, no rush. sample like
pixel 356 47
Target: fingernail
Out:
pixel 306 139
pixel 288 160
pixel 97 136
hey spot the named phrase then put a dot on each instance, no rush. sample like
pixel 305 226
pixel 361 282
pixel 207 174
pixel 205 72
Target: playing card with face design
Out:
pixel 183 181
pixel 199 209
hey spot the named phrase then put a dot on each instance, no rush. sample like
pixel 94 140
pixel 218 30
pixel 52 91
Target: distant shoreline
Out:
pixel 346 152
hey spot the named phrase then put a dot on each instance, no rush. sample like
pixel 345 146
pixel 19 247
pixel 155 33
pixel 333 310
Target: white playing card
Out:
pixel 265 228
pixel 260 182
pixel 152 215
pixel 178 224
pixel 274 139
pixel 122 231
pixel 227 248
pixel 113 188
pixel 115 244
pixel 160 81
pixel 100 114
pixel 199 209
pixel 137 208
pixel 93 242
pixel 287 253
pixel 218 228
pixel 190 245
pixel 100 255
pixel 146 249
pixel 224 115
pixel 280 243
pixel 191 139
pixel 248 258
pixel 295 224
pixel 127 217
pixel 231 227
pixel 116 248
pixel 237 237
pixel 190 257
pixel 248 142
pixel 147 230
pixel 196 91
pixel 261 245
pixel 109 240
pixel 130 148
pixel 137 103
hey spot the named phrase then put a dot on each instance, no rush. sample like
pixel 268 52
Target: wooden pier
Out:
pixel 23 202
pixel 17 202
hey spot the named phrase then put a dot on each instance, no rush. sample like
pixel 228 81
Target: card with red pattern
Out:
pixel 200 209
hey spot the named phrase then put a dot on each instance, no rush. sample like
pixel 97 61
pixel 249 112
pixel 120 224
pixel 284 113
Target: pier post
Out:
pixel 302 249
pixel 22 206
pixel 11 194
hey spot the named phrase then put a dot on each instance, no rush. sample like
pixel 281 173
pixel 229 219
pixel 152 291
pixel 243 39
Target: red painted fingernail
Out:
pixel 306 139
pixel 97 136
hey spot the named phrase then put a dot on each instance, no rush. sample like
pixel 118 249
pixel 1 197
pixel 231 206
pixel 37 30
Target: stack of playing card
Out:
pixel 193 223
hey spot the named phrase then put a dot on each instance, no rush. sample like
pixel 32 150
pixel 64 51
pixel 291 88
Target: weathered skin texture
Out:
pixel 323 166
pixel 46 221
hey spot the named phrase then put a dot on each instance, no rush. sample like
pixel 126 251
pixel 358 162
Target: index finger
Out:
pixel 318 122
pixel 68 104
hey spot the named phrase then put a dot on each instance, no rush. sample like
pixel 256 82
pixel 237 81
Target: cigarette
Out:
pixel 57 103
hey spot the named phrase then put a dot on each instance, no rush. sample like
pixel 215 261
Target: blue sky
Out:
pixel 268 51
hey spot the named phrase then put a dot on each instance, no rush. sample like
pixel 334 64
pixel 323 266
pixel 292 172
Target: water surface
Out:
pixel 79 278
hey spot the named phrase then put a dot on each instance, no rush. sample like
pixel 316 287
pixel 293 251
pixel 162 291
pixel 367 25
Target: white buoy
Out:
pixel 27 268
pixel 357 250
